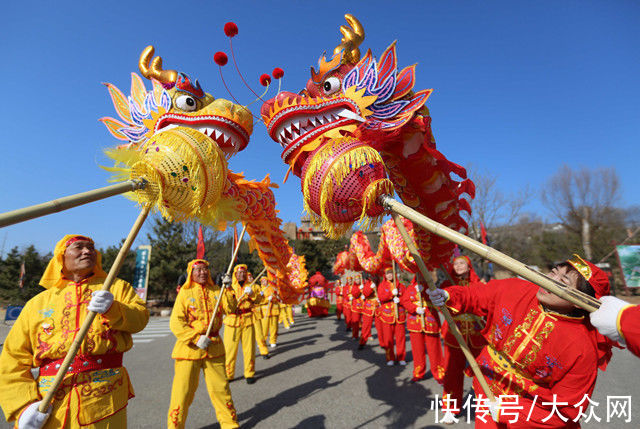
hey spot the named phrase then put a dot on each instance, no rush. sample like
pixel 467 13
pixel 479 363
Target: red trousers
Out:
pixel 346 310
pixel 394 334
pixel 378 324
pixel 367 323
pixel 355 324
pixel 429 343
pixel 339 311
pixel 454 364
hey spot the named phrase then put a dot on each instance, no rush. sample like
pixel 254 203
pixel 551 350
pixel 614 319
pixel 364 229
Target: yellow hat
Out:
pixel 53 277
pixel 189 282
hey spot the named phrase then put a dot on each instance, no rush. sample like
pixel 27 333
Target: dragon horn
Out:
pixel 351 39
pixel 155 71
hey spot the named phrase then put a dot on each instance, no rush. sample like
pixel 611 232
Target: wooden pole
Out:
pixel 82 332
pixel 574 296
pixel 445 311
pixel 222 289
pixel 395 286
pixel 64 203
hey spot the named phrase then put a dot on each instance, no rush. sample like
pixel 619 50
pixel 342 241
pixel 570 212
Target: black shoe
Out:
pixel 250 380
pixel 348 329
pixel 360 346
pixel 265 357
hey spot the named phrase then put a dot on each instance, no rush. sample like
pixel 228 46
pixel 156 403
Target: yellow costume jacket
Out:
pixel 44 333
pixel 190 319
pixel 241 314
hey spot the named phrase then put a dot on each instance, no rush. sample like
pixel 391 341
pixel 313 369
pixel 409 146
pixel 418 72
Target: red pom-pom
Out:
pixel 220 58
pixel 265 79
pixel 230 29
pixel 278 73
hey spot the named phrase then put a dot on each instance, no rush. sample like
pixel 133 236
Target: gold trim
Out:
pixel 581 265
pixel 618 317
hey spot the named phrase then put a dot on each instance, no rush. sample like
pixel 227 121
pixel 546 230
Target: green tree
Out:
pixel 34 263
pixel 320 255
pixel 169 257
pixel 128 267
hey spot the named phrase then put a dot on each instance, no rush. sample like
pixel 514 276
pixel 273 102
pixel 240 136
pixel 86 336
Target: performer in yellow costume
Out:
pixel 257 318
pixel 286 315
pixel 96 389
pixel 271 312
pixel 195 352
pixel 239 326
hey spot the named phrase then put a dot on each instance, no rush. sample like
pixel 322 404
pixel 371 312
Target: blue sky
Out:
pixel 520 88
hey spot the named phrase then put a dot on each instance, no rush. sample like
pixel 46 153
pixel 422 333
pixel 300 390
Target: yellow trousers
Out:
pixel 270 328
pixel 69 421
pixel 232 338
pixel 185 384
pixel 262 344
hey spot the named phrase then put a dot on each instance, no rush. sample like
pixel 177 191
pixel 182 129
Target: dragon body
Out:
pixel 359 131
pixel 180 139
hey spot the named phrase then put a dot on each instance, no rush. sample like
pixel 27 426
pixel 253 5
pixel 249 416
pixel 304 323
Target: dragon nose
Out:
pixel 268 105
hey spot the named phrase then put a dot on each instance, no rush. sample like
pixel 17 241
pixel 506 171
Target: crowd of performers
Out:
pixel 529 343
pixel 96 389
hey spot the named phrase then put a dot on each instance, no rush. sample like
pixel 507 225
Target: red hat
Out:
pixel 597 278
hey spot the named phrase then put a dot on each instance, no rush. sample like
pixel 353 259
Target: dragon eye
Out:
pixel 186 103
pixel 331 85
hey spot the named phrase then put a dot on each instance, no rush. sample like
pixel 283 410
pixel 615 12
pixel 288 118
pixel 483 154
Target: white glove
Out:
pixel 203 342
pixel 31 418
pixel 394 292
pixel 350 298
pixel 419 287
pixel 101 301
pixel 261 293
pixel 373 285
pixel 438 296
pixel 605 319
pixel 361 287
pixel 420 310
pixel 226 280
pixel 270 298
pixel 396 299
pixel 494 409
pixel 247 290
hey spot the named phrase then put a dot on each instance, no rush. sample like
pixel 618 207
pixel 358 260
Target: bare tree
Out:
pixel 491 206
pixel 583 200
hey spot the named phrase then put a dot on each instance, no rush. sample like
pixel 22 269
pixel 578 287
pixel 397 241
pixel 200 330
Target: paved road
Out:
pixel 317 378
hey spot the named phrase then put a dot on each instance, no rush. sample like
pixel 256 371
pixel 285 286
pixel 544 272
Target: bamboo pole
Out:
pixel 82 332
pixel 445 311
pixel 64 203
pixel 574 296
pixel 395 286
pixel 224 286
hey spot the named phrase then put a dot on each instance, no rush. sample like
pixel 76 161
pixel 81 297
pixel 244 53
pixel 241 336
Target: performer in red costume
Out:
pixel 423 324
pixel 540 347
pixel 392 317
pixel 337 290
pixel 470 326
pixel 620 321
pixel 346 302
pixel 357 303
pixel 369 306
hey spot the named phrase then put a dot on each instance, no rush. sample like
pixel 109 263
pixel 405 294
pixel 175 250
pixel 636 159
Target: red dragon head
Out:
pixel 358 131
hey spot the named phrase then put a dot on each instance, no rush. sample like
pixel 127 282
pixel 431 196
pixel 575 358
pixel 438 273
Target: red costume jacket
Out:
pixel 531 353
pixel 629 327
pixel 357 304
pixel 387 308
pixel 370 302
pixel 410 300
pixel 470 326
